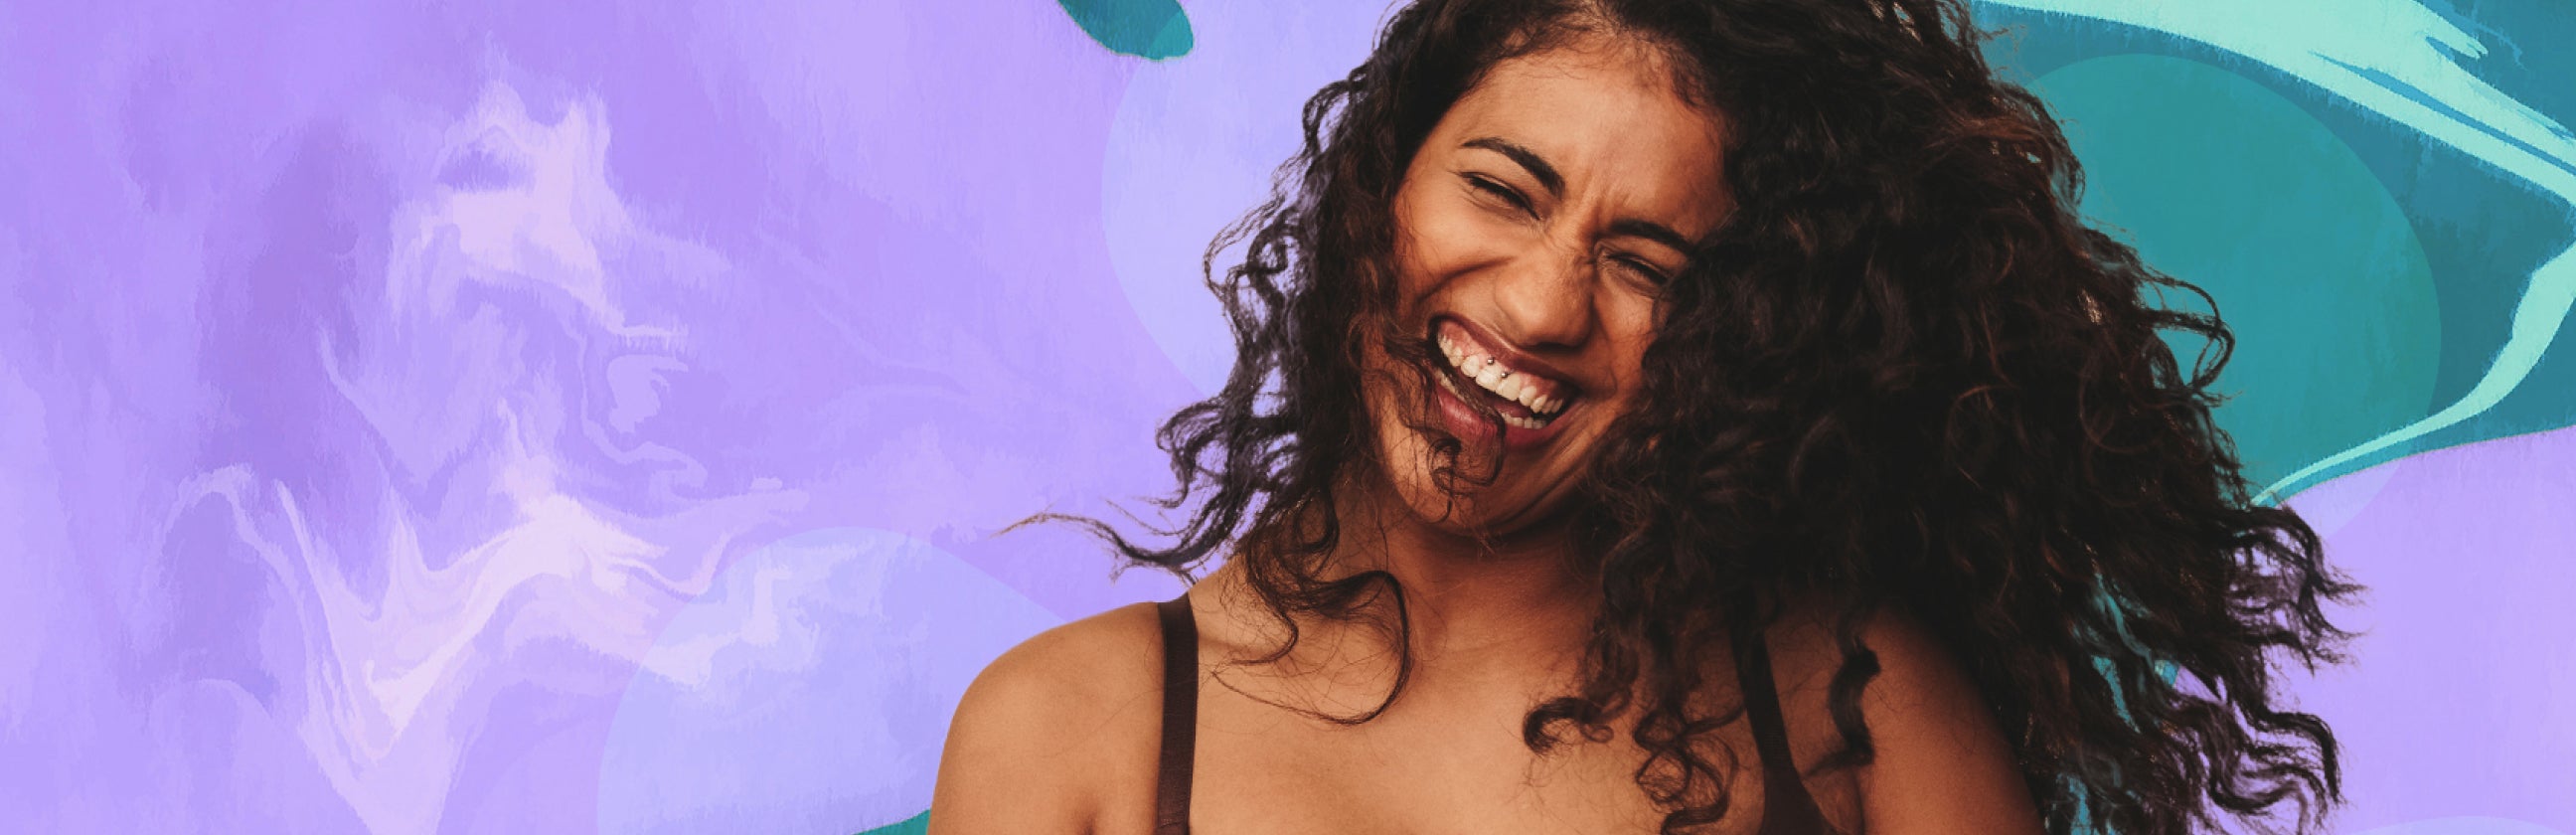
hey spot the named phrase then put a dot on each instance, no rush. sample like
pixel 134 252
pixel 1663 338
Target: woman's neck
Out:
pixel 1471 601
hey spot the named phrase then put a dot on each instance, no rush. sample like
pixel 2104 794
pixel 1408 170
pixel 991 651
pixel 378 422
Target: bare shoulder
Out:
pixel 1059 734
pixel 1916 672
pixel 1941 762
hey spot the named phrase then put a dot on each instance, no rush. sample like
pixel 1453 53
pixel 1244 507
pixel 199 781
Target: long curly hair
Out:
pixel 1902 373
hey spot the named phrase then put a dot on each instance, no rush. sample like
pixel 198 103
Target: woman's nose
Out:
pixel 1546 299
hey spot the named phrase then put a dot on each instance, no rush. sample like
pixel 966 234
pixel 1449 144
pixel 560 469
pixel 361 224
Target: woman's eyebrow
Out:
pixel 1652 231
pixel 1536 165
pixel 1555 184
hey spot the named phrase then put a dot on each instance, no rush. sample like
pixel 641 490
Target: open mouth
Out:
pixel 1526 399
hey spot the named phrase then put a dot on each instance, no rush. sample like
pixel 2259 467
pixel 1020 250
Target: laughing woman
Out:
pixel 1682 415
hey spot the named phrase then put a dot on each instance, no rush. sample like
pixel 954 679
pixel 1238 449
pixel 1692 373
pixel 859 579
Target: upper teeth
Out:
pixel 1529 391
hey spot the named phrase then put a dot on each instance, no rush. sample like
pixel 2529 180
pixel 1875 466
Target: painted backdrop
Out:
pixel 578 416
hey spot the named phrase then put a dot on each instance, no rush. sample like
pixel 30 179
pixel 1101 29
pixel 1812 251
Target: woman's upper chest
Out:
pixel 1459 767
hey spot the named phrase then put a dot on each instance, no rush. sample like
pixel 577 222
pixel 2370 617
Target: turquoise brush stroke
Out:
pixel 2313 263
pixel 917 825
pixel 2398 59
pixel 1155 29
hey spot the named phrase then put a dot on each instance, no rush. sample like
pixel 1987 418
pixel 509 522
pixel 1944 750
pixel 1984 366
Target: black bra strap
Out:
pixel 1762 702
pixel 1786 805
pixel 1180 716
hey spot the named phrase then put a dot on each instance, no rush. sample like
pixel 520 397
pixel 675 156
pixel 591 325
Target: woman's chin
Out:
pixel 1492 512
pixel 1469 496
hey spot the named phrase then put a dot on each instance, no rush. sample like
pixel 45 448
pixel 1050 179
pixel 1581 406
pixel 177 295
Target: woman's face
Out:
pixel 1535 227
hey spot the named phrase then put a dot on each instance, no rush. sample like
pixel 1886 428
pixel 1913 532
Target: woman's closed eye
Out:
pixel 1496 190
pixel 1640 269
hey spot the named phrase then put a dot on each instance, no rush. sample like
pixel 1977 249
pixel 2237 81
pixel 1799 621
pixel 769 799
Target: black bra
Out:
pixel 1787 808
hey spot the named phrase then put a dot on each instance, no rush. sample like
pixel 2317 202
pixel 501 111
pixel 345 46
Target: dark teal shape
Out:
pixel 2223 183
pixel 2483 231
pixel 1155 29
pixel 918 825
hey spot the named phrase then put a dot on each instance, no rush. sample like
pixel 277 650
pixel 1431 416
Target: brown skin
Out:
pixel 1060 735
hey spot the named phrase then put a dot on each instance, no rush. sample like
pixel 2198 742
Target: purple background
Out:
pixel 577 416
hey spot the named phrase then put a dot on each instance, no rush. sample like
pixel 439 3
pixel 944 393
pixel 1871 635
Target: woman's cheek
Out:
pixel 1445 238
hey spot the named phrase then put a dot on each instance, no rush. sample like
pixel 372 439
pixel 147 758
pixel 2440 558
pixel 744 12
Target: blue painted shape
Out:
pixel 2320 41
pixel 1155 29
pixel 917 825
pixel 2314 266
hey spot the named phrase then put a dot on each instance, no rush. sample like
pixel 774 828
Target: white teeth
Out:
pixel 1540 404
pixel 1490 374
pixel 1508 419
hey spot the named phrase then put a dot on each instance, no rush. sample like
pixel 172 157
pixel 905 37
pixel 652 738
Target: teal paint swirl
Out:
pixel 2403 61
pixel 1155 29
pixel 917 825
pixel 2314 266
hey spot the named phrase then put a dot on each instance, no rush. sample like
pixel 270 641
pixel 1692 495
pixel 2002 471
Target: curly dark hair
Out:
pixel 1902 373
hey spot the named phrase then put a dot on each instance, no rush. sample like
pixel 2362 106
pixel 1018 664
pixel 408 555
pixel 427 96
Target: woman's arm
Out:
pixel 1057 736
pixel 999 771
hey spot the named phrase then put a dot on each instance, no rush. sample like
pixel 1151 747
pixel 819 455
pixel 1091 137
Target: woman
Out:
pixel 1699 415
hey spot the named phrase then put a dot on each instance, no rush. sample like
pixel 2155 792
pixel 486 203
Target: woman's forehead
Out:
pixel 1607 118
